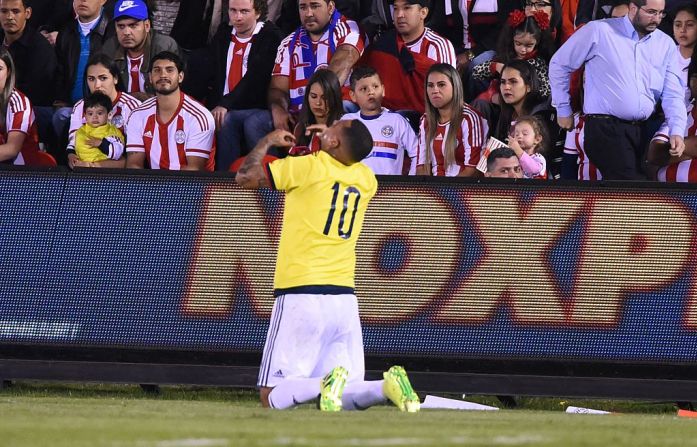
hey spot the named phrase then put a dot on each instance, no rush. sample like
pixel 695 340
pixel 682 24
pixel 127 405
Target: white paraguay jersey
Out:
pixel 189 133
pixel 392 135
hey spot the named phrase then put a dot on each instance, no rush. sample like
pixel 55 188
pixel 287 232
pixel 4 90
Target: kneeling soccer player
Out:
pixel 314 346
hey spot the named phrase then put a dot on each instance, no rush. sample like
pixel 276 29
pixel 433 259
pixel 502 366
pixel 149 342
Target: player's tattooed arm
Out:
pixel 251 174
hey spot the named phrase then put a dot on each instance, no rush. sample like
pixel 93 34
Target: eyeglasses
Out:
pixel 537 5
pixel 654 12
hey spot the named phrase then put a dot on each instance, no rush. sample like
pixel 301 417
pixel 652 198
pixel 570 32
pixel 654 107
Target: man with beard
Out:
pixel 171 130
pixel 134 45
pixel 326 39
pixel 630 67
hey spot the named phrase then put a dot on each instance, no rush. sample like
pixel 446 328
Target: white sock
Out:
pixel 363 394
pixel 292 392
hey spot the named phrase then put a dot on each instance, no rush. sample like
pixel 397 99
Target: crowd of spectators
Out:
pixel 575 89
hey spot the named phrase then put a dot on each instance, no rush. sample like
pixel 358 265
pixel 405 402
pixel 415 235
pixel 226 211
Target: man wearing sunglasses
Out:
pixel 630 66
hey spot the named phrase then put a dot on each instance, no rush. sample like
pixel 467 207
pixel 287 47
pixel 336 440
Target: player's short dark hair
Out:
pixel 502 152
pixel 358 140
pixel 97 99
pixel 361 72
pixel 639 3
pixel 168 56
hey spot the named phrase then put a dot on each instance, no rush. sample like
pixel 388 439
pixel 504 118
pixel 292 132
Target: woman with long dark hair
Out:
pixel 520 96
pixel 101 75
pixel 322 106
pixel 19 139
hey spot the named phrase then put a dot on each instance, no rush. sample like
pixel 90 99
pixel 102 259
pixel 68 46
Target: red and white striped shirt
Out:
pixel 20 118
pixel 345 33
pixel 686 170
pixel 435 47
pixel 470 139
pixel 136 79
pixel 237 56
pixel 121 109
pixel 189 133
pixel 574 144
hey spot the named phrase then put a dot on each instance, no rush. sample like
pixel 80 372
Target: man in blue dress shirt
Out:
pixel 630 66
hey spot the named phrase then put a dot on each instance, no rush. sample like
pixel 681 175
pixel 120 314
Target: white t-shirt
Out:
pixel 392 136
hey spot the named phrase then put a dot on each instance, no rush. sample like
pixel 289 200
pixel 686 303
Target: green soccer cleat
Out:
pixel 332 389
pixel 398 389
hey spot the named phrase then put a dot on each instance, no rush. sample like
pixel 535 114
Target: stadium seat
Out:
pixel 41 159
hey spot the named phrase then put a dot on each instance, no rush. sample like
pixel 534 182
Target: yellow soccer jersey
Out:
pixel 87 153
pixel 323 216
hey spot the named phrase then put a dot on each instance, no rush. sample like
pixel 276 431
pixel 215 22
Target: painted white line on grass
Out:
pixel 192 442
pixel 517 440
pixel 387 442
pixel 382 441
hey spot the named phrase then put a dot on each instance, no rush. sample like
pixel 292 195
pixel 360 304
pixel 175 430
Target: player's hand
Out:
pixel 566 122
pixel 316 128
pixel 498 66
pixel 219 116
pixel 282 119
pixel 280 138
pixel 677 145
pixel 94 142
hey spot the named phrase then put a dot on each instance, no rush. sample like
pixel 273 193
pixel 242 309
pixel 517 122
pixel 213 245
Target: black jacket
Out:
pixel 251 91
pixel 190 28
pixel 68 52
pixel 35 66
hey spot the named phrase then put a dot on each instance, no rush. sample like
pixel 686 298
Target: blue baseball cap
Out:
pixel 134 9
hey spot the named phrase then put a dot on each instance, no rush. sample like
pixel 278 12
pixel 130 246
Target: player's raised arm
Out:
pixel 251 174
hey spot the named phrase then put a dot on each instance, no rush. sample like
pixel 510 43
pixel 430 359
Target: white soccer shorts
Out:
pixel 311 334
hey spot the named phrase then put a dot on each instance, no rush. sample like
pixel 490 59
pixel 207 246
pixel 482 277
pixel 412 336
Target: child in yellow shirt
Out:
pixel 97 139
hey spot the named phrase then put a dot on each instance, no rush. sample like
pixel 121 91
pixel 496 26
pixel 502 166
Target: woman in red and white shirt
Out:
pixel 101 75
pixel 19 140
pixel 451 133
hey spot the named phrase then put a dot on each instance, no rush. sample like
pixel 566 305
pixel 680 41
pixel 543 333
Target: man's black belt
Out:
pixel 614 118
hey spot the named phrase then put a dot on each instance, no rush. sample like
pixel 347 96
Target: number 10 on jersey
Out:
pixel 348 192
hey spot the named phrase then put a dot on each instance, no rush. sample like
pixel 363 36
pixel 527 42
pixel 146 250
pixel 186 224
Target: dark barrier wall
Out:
pixel 447 271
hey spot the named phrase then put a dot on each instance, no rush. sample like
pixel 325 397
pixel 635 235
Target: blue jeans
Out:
pixel 239 132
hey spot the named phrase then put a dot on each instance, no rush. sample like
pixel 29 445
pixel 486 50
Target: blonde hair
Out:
pixel 539 128
pixel 456 105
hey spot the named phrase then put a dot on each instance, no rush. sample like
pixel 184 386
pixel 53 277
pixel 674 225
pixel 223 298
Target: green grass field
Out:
pixel 120 416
